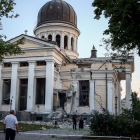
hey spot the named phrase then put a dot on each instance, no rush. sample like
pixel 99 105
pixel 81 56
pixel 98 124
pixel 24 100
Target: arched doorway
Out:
pixel 58 39
pixel 65 42
pixel 50 38
pixel 72 44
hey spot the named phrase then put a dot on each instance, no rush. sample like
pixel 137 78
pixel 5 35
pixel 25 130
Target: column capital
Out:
pixel 31 61
pixel 75 82
pixel 92 81
pixel 15 62
pixel 50 61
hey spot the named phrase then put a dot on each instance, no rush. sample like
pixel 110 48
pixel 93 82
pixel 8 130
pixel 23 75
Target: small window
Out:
pixel 43 37
pixel 6 65
pixel 24 64
pixel 41 63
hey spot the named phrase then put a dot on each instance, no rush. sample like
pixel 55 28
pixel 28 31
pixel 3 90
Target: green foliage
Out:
pixel 123 26
pixel 125 124
pixel 105 124
pixel 134 112
pixel 7 48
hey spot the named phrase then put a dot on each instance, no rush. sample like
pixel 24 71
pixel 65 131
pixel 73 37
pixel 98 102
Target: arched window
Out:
pixel 72 44
pixel 42 37
pixel 65 42
pixel 50 38
pixel 58 39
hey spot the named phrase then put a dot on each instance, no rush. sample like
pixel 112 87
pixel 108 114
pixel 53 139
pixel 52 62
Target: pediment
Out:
pixel 32 42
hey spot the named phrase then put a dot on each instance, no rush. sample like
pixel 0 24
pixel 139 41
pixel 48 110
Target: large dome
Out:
pixel 57 11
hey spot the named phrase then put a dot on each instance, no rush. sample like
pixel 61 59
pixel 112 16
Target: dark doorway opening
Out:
pixel 6 91
pixel 84 93
pixel 23 94
pixel 40 90
pixel 63 99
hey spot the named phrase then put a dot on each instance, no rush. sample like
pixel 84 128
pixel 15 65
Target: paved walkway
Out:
pixel 51 134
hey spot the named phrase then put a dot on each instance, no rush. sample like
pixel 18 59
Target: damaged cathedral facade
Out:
pixel 50 75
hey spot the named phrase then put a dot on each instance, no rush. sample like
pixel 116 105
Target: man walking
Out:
pixel 10 126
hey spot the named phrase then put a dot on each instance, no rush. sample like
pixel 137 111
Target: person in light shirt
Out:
pixel 10 126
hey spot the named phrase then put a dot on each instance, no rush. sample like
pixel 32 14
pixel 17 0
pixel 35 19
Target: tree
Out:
pixel 7 48
pixel 134 112
pixel 123 26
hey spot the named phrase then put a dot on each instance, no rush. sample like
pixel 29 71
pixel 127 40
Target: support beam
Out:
pixel 62 41
pixel 49 86
pixel 30 93
pixel 110 97
pixel 92 82
pixel 14 77
pixel 128 90
pixel 75 84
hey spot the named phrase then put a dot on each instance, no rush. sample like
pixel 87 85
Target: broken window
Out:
pixel 40 90
pixel 23 94
pixel 58 39
pixel 84 93
pixel 6 65
pixel 24 64
pixel 65 42
pixel 41 63
pixel 6 91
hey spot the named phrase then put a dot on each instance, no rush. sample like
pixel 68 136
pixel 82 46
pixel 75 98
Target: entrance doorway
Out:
pixel 63 99
pixel 23 94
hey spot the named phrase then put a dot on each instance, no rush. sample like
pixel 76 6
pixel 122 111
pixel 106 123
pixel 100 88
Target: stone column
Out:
pixel 128 90
pixel 46 35
pixel 49 86
pixel 116 95
pixel 0 83
pixel 75 84
pixel 62 41
pixel 30 93
pixel 75 43
pixel 58 77
pixel 39 36
pixel 14 78
pixel 77 46
pixel 69 41
pixel 110 96
pixel 53 36
pixel 92 95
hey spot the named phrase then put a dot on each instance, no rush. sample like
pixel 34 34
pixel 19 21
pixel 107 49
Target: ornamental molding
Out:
pixel 4 75
pixel 22 73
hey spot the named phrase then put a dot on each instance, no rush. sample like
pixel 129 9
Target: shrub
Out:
pixel 105 124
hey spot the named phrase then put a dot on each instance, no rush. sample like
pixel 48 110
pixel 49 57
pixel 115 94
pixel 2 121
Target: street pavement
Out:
pixel 51 134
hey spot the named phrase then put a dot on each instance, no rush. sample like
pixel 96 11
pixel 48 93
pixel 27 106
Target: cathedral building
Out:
pixel 49 75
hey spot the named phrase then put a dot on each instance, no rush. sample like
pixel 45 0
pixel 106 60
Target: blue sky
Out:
pixel 91 29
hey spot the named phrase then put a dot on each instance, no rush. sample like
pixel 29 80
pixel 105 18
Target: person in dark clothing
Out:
pixel 81 122
pixel 74 121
